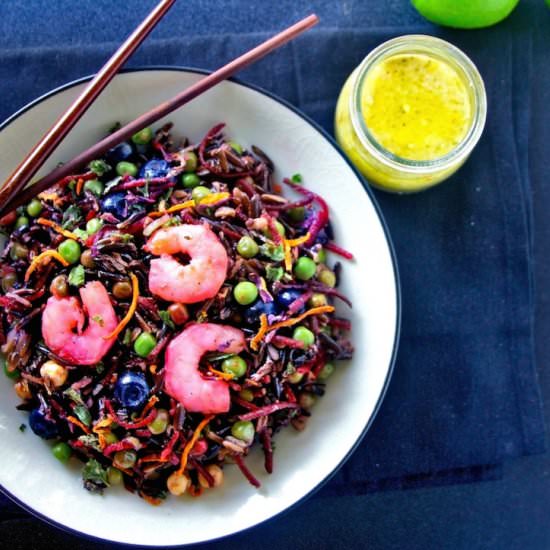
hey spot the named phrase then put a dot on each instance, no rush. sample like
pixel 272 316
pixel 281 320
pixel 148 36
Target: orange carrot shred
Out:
pixel 37 260
pixel 77 422
pixel 265 328
pixel 214 197
pixel 220 374
pixel 79 185
pixel 131 309
pixel 147 408
pixel 191 443
pixel 175 208
pixel 102 425
pixel 153 369
pixel 287 246
pixel 261 333
pixel 58 228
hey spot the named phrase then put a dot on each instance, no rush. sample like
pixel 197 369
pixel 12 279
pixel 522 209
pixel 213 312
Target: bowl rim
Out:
pixel 368 190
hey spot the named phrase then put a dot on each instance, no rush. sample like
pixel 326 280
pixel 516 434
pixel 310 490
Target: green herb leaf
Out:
pixel 71 217
pixel 274 273
pixel 22 427
pixel 297 178
pixel 83 414
pixel 166 319
pixel 74 395
pixel 98 319
pixel 94 472
pixel 273 252
pixel 77 276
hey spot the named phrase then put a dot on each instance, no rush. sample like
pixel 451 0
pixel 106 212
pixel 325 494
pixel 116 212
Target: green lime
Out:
pixel 465 14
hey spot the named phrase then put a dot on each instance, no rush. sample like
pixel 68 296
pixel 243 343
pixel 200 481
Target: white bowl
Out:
pixel 37 481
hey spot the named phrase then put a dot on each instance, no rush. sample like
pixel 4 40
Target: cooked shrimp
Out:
pixel 63 321
pixel 201 278
pixel 182 379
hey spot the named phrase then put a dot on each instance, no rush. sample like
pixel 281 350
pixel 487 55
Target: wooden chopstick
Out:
pixel 53 137
pixel 97 150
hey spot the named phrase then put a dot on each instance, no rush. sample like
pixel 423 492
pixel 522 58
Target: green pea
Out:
pixel 317 300
pixel 70 250
pixel 236 147
pixel 99 167
pixel 95 187
pixel 199 193
pixel 114 476
pixel 247 247
pixel 8 280
pixel 124 459
pixel 94 225
pixel 305 268
pixel 62 452
pixel 303 334
pixel 234 365
pixel 144 344
pixel 280 229
pixel 191 161
pixel 327 277
pixel 326 371
pixel 297 214
pixel 190 180
pixel 12 374
pixel 245 292
pixel 243 430
pixel 143 137
pixel 22 221
pixel 160 422
pixel 247 395
pixel 18 251
pixel 34 208
pixel 124 168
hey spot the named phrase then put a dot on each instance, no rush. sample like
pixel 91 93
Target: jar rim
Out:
pixel 433 47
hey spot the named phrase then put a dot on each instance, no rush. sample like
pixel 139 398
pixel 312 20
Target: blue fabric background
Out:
pixel 464 396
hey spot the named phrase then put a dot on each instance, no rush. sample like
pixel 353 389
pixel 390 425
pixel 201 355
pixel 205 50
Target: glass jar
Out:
pixel 383 168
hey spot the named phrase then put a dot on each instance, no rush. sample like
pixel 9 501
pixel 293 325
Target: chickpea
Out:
pixel 54 373
pixel 177 484
pixel 217 474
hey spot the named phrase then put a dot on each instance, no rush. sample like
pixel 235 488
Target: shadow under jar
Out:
pixel 410 114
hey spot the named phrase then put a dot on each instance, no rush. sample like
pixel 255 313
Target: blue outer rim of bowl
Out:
pixel 389 241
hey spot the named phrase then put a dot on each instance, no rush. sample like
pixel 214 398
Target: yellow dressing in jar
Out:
pixel 410 114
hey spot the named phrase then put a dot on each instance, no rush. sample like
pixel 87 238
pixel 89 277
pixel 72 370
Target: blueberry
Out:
pixel 156 168
pixel 115 204
pixel 132 390
pixel 252 313
pixel 122 151
pixel 286 297
pixel 41 426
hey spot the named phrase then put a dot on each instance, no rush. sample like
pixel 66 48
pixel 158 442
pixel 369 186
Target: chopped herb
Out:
pixel 99 368
pixel 83 414
pixel 273 252
pixel 77 276
pixel 22 427
pixel 94 476
pixel 218 356
pixel 274 273
pixel 99 167
pixel 297 178
pixel 166 319
pixel 90 440
pixel 99 320
pixel 71 217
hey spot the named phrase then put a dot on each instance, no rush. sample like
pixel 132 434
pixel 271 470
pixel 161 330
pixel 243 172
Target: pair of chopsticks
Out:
pixel 13 193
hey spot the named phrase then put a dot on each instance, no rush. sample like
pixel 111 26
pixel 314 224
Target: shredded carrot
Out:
pixel 79 185
pixel 261 333
pixel 77 422
pixel 265 328
pixel 153 369
pixel 131 309
pixel 102 440
pixel 214 197
pixel 155 457
pixel 277 187
pixel 102 425
pixel 287 246
pixel 150 404
pixel 58 228
pixel 175 208
pixel 36 261
pixel 191 443
pixel 220 374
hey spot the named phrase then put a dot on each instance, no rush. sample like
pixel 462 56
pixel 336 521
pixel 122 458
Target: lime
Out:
pixel 465 14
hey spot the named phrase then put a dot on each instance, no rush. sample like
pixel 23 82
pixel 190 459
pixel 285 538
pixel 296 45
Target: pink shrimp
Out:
pixel 63 321
pixel 182 379
pixel 201 278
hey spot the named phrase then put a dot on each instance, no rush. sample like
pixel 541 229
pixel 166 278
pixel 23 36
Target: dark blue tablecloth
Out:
pixel 464 396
